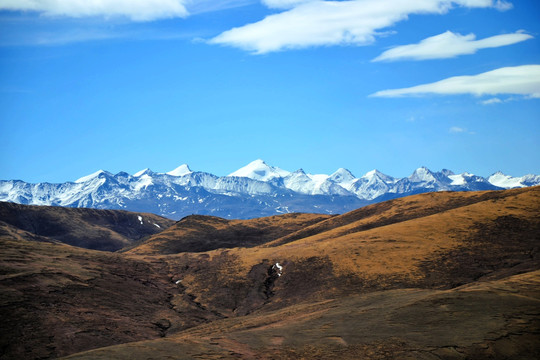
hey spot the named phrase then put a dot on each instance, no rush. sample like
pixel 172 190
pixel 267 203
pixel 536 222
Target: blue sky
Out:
pixel 360 84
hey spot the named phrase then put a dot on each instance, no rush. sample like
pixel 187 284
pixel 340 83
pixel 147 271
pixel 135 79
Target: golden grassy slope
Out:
pixel 440 275
pixel 199 233
pixel 474 235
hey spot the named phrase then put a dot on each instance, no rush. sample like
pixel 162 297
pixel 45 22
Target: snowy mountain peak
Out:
pixel 180 171
pixel 143 172
pixel 92 176
pixel 259 170
pixel 377 174
pixel 342 176
pixel 422 174
pixel 372 173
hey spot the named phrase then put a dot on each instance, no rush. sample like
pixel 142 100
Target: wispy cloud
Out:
pixel 459 130
pixel 136 10
pixel 492 101
pixel 325 23
pixel 203 6
pixel 520 80
pixel 59 37
pixel 448 45
pixel 456 129
pixel 496 100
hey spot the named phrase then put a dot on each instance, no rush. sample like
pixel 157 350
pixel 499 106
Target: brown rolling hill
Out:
pixel 487 320
pixel 108 230
pixel 198 233
pixel 431 276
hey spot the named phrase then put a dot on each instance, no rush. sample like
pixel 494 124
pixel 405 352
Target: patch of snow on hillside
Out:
pixel 278 268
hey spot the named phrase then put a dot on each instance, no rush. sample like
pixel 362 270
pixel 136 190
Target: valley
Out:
pixel 440 275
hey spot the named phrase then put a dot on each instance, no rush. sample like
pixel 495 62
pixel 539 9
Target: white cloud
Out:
pixel 456 130
pixel 502 5
pixel 137 10
pixel 460 130
pixel 520 80
pixel 324 23
pixel 448 45
pixel 492 101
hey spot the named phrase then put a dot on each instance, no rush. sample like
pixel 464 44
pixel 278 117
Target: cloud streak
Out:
pixel 136 10
pixel 449 45
pixel 520 80
pixel 456 130
pixel 284 4
pixel 326 23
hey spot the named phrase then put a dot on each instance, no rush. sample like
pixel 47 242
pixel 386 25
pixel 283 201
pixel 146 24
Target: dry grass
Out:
pixel 199 233
pixel 489 320
pixel 440 275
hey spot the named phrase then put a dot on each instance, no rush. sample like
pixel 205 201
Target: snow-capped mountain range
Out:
pixel 257 189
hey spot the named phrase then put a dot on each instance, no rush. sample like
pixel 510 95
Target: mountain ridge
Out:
pixel 255 190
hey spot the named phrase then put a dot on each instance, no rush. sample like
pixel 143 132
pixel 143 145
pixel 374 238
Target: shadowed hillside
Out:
pixel 488 320
pixel 107 230
pixel 431 276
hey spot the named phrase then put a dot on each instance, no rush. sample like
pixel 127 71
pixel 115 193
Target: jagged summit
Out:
pixel 299 171
pixel 92 176
pixel 180 171
pixel 447 172
pixel 342 175
pixel 142 172
pixel 422 174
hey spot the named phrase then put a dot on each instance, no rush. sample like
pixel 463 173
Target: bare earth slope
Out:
pixel 107 230
pixel 431 276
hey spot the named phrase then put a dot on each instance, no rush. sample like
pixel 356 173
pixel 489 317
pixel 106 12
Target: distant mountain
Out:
pixel 255 190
